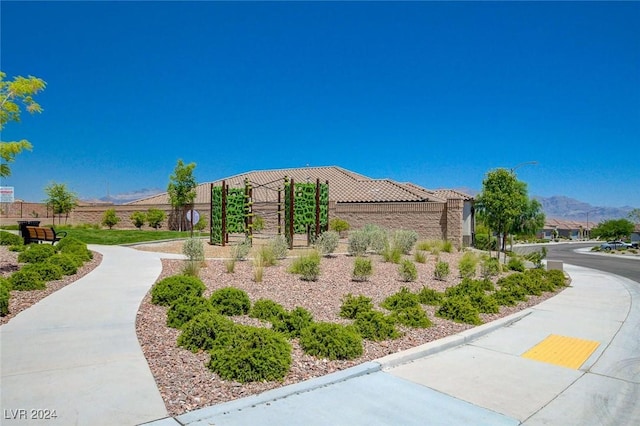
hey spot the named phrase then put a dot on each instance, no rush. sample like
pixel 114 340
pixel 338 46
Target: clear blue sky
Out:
pixel 435 93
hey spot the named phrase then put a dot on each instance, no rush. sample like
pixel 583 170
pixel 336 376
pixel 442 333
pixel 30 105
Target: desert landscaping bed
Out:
pixel 182 376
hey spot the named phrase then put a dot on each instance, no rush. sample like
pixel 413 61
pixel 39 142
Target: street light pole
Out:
pixel 513 169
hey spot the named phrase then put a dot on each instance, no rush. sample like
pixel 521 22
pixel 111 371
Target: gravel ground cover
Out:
pixel 182 376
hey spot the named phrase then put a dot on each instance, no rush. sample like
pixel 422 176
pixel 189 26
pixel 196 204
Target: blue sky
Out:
pixel 435 93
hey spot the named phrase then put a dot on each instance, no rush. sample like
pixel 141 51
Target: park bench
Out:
pixel 41 234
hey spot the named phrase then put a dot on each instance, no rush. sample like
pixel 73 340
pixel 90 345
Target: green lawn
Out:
pixel 119 236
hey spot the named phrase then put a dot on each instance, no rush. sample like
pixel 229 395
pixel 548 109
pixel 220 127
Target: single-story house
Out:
pixel 358 199
pixel 560 228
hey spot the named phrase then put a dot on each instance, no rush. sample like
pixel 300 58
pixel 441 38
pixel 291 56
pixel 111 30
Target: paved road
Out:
pixel 629 268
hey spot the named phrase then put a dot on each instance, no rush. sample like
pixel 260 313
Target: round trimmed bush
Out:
pixel 203 330
pixel 412 316
pixel 67 263
pixel 293 322
pixel 459 309
pixel 74 247
pixel 362 269
pixel 26 280
pixel 332 341
pixel 375 325
pixel 231 301
pixel 10 239
pixel 251 354
pixel 46 270
pixel 166 291
pixel 35 253
pixel 401 300
pixel 5 294
pixel 429 296
pixel 267 310
pixel 185 308
pixel 353 305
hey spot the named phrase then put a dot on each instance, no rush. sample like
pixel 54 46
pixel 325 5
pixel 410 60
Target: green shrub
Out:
pixel 429 296
pixel 405 240
pixel 166 291
pixel 483 242
pixel 327 242
pixel 26 280
pixel 375 325
pixel 407 270
pixel 353 305
pixel 484 303
pixel 516 264
pixel 490 267
pixel 185 308
pixel 294 322
pixel 358 243
pixel 332 341
pixel 10 239
pixel 401 300
pixel 67 263
pixel 468 265
pixel 267 310
pixel 459 309
pixel 377 238
pixel 110 218
pixel 420 256
pixel 279 246
pixel 412 316
pixel 155 217
pixel 338 225
pixel 74 247
pixel 307 266
pixel 193 248
pixel 252 354
pixel 35 253
pixel 138 219
pixel 362 269
pixel 5 295
pixel 231 301
pixel 203 330
pixel 442 270
pixel 392 254
pixel 556 277
pixel 47 271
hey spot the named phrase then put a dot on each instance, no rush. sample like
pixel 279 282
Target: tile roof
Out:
pixel 344 186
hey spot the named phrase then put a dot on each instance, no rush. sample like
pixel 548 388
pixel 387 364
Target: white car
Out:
pixel 615 245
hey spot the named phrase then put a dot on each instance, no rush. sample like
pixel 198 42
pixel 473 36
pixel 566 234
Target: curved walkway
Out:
pixel 76 352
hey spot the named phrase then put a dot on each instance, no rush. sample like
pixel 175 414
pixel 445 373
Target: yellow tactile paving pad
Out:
pixel 569 352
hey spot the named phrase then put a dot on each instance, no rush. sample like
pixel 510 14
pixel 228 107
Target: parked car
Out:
pixel 615 245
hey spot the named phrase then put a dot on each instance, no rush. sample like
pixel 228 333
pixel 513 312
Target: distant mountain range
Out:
pixel 561 207
pixel 555 207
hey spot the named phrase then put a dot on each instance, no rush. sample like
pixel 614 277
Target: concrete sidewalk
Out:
pixel 478 377
pixel 75 354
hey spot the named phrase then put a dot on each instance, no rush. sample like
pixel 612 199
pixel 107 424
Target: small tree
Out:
pixel 155 217
pixel 110 218
pixel 138 219
pixel 182 189
pixel 12 93
pixel 60 199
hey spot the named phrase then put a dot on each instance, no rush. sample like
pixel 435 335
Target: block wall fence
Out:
pixel 432 221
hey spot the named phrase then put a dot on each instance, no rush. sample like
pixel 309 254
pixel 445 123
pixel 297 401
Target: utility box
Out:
pixel 554 265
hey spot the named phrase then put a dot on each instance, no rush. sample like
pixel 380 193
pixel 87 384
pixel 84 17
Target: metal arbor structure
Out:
pixel 305 209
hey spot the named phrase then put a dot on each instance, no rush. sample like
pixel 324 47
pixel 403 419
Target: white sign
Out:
pixel 6 194
pixel 196 216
